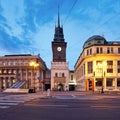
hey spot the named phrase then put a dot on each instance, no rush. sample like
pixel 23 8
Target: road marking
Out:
pixel 9 103
pixel 3 107
pixel 13 101
pixel 76 97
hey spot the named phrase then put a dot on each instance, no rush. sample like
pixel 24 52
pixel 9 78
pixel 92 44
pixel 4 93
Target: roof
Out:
pixel 94 40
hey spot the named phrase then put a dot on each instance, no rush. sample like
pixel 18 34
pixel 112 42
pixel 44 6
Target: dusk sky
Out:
pixel 27 26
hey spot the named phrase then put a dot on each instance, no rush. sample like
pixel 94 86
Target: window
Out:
pixel 101 50
pixel 109 70
pixel 118 82
pixel 118 50
pixel 118 64
pixel 99 82
pixel 90 67
pixel 29 73
pixel 109 50
pixel 71 77
pixel 90 51
pixel 97 50
pixel 109 66
pixel 109 82
pixel 63 75
pixel 56 74
pixel 87 52
pixel 109 63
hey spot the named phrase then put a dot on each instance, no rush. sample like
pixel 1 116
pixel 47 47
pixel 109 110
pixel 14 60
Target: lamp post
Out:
pixel 102 66
pixel 34 65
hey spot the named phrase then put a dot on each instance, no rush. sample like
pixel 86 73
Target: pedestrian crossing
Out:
pixel 7 101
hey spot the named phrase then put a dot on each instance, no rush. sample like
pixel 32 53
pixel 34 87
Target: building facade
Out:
pixel 22 71
pixel 59 66
pixel 72 81
pixel 98 66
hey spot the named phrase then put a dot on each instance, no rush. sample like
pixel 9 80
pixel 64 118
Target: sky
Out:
pixel 28 26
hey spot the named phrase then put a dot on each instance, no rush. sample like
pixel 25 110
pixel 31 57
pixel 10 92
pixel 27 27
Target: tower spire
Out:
pixel 58 16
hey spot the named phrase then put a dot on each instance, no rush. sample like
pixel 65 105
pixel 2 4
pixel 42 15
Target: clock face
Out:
pixel 59 48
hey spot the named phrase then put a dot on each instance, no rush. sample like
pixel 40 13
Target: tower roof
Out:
pixel 58 36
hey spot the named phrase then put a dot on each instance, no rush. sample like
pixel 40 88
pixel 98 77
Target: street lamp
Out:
pixel 102 66
pixel 34 65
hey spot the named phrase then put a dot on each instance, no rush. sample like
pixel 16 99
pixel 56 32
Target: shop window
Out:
pixel 99 82
pixel 118 82
pixel 109 82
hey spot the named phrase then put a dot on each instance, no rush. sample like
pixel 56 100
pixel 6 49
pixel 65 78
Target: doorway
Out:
pixel 60 87
pixel 90 84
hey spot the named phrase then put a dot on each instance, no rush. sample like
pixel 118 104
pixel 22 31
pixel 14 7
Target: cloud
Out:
pixel 12 13
pixel 27 26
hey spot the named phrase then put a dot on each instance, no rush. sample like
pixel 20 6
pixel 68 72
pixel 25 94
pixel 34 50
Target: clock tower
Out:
pixel 59 66
pixel 59 45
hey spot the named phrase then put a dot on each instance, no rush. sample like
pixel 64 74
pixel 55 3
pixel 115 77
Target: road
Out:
pixel 64 106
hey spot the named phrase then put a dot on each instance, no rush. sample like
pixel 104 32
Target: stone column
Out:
pixel 104 85
pixel 21 76
pixel 115 83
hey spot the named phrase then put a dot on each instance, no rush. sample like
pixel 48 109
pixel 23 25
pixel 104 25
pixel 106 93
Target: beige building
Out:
pixel 72 80
pixel 22 71
pixel 98 66
pixel 59 76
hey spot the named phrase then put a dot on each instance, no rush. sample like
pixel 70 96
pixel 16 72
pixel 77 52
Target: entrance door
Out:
pixel 60 87
pixel 90 84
